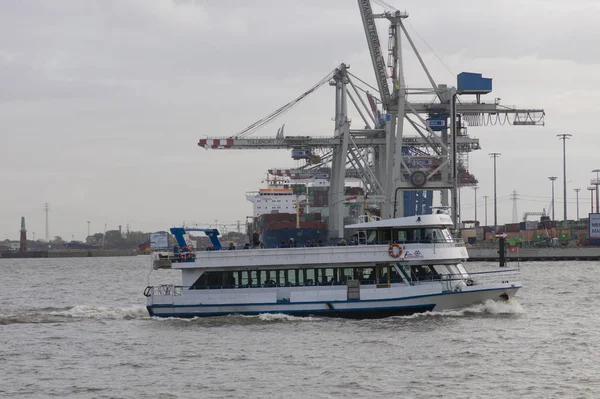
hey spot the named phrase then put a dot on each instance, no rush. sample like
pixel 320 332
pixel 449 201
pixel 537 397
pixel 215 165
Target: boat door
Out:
pixel 353 287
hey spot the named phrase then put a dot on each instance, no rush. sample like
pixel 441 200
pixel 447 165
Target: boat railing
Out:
pixel 448 281
pixel 164 290
pixel 454 242
pixel 476 278
pixel 495 276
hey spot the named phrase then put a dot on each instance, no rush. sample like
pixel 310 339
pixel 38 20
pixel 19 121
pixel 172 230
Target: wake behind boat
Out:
pixel 393 267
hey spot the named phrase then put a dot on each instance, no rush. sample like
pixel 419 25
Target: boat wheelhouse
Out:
pixel 392 267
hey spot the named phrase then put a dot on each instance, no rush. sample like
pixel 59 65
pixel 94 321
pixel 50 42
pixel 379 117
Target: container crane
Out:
pixel 386 160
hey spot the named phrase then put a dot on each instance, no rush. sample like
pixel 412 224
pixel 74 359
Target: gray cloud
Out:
pixel 102 103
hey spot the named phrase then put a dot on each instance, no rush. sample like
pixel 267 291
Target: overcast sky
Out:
pixel 102 103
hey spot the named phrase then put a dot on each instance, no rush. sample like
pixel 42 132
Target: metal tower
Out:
pixel 23 236
pixel 553 179
pixel 515 215
pixel 47 209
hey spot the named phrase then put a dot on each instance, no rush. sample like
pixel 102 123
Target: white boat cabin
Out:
pixel 406 230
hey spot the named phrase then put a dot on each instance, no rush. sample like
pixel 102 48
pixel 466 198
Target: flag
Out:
pixel 144 246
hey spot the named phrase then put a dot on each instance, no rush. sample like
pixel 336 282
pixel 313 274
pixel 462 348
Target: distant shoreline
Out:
pixel 91 253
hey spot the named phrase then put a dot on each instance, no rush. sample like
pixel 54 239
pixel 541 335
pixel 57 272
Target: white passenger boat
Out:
pixel 395 267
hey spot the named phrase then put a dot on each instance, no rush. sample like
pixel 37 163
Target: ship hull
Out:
pixel 355 309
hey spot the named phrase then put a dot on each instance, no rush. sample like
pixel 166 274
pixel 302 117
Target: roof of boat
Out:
pixel 409 221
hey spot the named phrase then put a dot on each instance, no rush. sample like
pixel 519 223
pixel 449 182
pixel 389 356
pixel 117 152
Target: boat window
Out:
pixel 382 273
pixel 263 277
pixel 385 235
pixel 346 273
pixel 366 275
pixel 429 234
pixel 253 280
pixel 447 236
pixel 399 235
pixel 414 235
pixel 295 276
pixel 309 276
pixel 394 275
pixel 286 277
pixel 435 271
pixel 371 236
pixel 421 272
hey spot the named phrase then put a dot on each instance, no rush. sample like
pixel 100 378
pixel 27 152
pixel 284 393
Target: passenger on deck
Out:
pixel 231 246
pixel 292 242
pixel 210 247
pixel 283 244
pixel 308 243
pixel 320 243
pixel 247 246
pixel 255 239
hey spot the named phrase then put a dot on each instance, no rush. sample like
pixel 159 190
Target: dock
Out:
pixel 536 254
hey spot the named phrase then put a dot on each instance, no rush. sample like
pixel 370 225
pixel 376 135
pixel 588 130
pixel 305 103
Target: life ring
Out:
pixel 185 253
pixel 392 252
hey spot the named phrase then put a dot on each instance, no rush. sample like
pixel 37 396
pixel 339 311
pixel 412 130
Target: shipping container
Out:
pixel 531 225
pixel 512 228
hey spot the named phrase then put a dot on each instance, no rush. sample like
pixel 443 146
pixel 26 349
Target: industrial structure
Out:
pixel 397 171
pixel 23 236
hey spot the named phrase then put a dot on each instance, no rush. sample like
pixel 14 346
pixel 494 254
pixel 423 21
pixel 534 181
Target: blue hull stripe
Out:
pixel 333 302
pixel 322 312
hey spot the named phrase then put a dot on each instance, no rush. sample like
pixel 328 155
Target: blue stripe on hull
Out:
pixel 346 301
pixel 370 313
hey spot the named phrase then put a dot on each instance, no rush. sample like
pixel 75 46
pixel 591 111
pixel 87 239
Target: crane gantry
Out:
pixel 381 155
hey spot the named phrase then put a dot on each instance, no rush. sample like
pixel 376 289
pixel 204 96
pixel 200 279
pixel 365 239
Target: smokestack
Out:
pixel 23 239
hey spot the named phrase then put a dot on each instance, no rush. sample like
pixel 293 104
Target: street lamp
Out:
pixel 553 179
pixel 596 183
pixel 475 189
pixel 88 222
pixel 485 197
pixel 577 190
pixel 564 138
pixel 495 155
pixel 591 190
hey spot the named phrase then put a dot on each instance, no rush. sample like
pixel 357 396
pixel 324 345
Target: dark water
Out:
pixel 79 328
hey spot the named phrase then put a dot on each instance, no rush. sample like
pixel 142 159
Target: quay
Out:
pixel 536 254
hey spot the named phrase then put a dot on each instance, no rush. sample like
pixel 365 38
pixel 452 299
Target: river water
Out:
pixel 79 328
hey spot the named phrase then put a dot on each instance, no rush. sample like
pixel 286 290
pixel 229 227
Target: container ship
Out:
pixel 285 212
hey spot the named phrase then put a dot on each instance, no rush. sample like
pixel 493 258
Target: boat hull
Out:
pixel 356 309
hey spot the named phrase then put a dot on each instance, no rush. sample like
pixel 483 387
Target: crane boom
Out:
pixel 366 14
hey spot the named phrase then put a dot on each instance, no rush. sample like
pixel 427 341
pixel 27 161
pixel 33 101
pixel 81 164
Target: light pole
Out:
pixel 553 179
pixel 564 138
pixel 591 190
pixel 485 197
pixel 577 190
pixel 88 222
pixel 596 183
pixel 475 189
pixel 495 155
